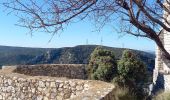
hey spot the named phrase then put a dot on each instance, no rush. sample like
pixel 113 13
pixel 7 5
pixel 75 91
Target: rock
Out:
pixel 72 84
pixel 41 84
pixel 59 98
pixel 67 93
pixel 47 84
pixel 39 97
pixel 52 84
pixel 45 98
pixel 79 87
pixel 33 90
pixel 61 85
pixel 1 97
pixel 53 95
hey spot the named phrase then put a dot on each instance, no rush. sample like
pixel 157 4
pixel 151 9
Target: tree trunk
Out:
pixel 165 53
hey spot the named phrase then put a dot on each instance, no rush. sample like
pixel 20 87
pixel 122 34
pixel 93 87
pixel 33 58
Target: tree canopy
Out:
pixel 131 70
pixel 132 73
pixel 102 65
pixel 142 18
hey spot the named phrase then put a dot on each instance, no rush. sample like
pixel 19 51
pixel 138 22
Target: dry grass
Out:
pixel 123 94
pixel 162 96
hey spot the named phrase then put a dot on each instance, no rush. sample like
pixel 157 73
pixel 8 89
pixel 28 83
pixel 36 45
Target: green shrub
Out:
pixel 132 73
pixel 131 70
pixel 102 65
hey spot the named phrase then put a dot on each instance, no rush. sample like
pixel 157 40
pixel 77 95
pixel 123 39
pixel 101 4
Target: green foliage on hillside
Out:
pixel 67 55
pixel 18 55
pixel 102 65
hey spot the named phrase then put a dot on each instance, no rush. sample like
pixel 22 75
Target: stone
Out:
pixel 72 84
pixel 41 84
pixel 14 99
pixel 98 92
pixel 47 84
pixel 45 98
pixel 39 97
pixel 59 98
pixel 1 97
pixel 87 98
pixel 86 87
pixel 61 85
pixel 54 90
pixel 47 94
pixel 67 93
pixel 52 84
pixel 53 95
pixel 79 87
pixel 40 89
pixel 33 90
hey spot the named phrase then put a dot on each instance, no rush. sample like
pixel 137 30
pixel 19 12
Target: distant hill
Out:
pixel 18 55
pixel 81 54
pixel 67 55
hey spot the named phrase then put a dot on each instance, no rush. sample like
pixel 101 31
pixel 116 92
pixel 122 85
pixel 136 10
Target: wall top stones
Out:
pixel 73 71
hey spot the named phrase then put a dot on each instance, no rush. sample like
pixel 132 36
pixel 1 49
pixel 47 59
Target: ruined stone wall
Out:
pixel 21 87
pixel 73 71
pixel 17 86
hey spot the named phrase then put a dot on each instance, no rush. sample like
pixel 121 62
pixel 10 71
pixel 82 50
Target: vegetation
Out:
pixel 162 96
pixel 77 55
pixel 122 93
pixel 102 65
pixel 131 70
pixel 132 73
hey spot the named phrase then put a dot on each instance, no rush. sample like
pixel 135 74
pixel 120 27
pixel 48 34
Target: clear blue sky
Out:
pixel 75 34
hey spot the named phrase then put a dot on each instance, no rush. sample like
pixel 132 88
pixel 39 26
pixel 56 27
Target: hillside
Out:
pixel 68 55
pixel 18 55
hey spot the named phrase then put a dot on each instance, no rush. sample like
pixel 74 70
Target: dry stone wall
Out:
pixel 16 86
pixel 73 71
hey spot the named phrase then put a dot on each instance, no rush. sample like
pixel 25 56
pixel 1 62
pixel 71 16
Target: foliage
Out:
pixel 79 55
pixel 131 70
pixel 102 65
pixel 132 73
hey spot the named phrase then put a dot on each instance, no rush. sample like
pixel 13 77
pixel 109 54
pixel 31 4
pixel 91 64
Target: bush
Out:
pixel 132 73
pixel 131 70
pixel 102 65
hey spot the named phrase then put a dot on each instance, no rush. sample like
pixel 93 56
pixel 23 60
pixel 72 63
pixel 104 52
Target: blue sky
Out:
pixel 75 34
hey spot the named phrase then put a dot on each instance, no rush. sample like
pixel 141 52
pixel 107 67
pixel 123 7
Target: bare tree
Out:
pixel 141 18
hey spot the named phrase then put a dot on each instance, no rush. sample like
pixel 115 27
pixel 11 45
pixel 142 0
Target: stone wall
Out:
pixel 162 65
pixel 73 71
pixel 15 86
pixel 167 82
